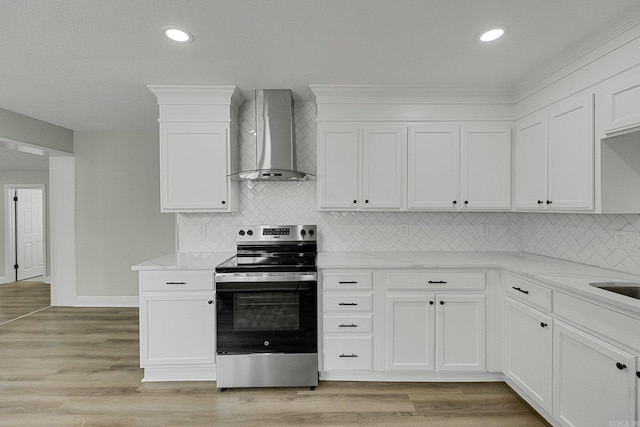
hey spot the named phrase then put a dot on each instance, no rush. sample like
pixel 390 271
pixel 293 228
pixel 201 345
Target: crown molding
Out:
pixel 601 42
pixel 412 94
pixel 197 95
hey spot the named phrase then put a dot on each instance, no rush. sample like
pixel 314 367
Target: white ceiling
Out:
pixel 85 64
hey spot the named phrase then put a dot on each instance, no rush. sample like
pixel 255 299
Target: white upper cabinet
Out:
pixel 453 167
pixel 621 105
pixel 433 167
pixel 198 148
pixel 360 167
pixel 486 166
pixel 554 167
pixel 194 162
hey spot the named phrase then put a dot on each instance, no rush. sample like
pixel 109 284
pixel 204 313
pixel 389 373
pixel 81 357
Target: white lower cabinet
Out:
pixel 527 345
pixel 594 381
pixel 177 325
pixel 435 332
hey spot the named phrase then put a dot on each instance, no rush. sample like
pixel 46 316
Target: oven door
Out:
pixel 266 317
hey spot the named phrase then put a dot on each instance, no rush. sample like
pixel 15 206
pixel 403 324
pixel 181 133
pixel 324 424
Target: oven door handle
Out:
pixel 264 286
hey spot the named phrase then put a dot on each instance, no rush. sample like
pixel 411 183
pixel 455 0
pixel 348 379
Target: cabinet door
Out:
pixel 460 332
pixel 571 148
pixel 409 331
pixel 486 166
pixel 382 168
pixel 177 329
pixel 338 167
pixel 434 167
pixel 621 105
pixel 193 167
pixel 528 342
pixel 594 382
pixel 531 162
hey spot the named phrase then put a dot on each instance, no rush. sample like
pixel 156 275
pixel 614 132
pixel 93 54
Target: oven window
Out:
pixel 266 311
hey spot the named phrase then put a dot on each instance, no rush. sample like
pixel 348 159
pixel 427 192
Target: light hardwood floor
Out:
pixel 20 298
pixel 79 367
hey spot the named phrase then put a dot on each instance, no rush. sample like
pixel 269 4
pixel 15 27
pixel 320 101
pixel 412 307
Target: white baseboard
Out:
pixel 2 279
pixel 106 301
pixel 47 280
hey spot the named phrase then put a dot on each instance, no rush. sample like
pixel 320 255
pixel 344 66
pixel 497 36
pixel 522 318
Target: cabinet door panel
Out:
pixel 409 331
pixel 460 332
pixel 382 168
pixel 486 167
pixel 338 167
pixel 528 351
pixel 571 154
pixel 177 329
pixel 589 388
pixel 531 162
pixel 622 105
pixel 193 166
pixel 434 167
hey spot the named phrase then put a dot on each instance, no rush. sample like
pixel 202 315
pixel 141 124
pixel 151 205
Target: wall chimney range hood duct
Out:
pixel 275 139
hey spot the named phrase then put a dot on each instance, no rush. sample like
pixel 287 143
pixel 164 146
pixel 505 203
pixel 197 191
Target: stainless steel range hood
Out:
pixel 275 139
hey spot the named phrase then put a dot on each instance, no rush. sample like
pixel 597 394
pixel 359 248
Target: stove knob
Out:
pixel 249 233
pixel 303 232
pixel 310 232
pixel 241 232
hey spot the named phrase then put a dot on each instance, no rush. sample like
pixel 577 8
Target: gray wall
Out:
pixel 18 178
pixel 118 219
pixel 26 129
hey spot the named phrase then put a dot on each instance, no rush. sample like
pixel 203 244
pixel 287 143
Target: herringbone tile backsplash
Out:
pixel 582 238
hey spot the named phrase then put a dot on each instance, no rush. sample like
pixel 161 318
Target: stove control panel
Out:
pixel 276 233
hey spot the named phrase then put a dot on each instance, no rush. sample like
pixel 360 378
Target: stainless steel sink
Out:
pixel 630 289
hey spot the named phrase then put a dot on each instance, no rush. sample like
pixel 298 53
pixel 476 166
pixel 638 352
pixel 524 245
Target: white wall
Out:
pixel 118 219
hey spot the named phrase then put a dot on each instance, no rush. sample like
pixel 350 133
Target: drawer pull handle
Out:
pixel 621 366
pixel 438 282
pixel 348 303
pixel 342 325
pixel 543 325
pixel 176 283
pixel 348 282
pixel 520 290
pixel 348 355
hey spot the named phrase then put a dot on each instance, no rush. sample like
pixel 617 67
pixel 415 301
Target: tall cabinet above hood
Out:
pixel 275 139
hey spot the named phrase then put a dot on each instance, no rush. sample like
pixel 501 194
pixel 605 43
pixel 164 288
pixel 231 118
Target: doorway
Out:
pixel 25 245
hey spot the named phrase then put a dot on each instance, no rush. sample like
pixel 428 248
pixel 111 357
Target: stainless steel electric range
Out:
pixel 266 316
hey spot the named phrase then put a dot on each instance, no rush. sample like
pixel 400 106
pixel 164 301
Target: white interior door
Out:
pixel 29 233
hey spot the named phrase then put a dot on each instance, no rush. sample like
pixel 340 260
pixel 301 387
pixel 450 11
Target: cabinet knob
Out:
pixel 540 202
pixel 466 202
pixel 430 302
pixel 355 201
pixel 441 302
pixel 638 374
pixel 549 202
pixel 544 325
pixel 366 201
pixel 210 301
pixel 621 366
pixel 224 203
pixel 455 202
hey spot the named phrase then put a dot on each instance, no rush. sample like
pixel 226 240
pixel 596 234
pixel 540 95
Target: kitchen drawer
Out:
pixel 342 281
pixel 347 323
pixel 604 321
pixel 176 280
pixel 348 353
pixel 344 302
pixel 528 292
pixel 436 281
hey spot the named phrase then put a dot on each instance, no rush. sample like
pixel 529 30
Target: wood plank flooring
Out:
pixel 67 366
pixel 20 298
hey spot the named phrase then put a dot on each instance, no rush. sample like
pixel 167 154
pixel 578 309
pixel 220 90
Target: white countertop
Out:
pixel 185 261
pixel 559 274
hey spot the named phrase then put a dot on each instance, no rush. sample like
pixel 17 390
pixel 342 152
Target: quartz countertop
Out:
pixel 185 261
pixel 558 274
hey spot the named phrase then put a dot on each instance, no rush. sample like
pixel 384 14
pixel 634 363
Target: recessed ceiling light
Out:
pixel 178 35
pixel 492 34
